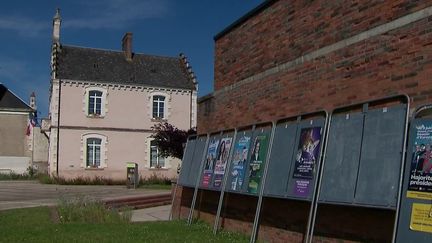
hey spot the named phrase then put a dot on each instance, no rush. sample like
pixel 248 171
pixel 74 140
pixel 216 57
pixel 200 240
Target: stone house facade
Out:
pixel 103 104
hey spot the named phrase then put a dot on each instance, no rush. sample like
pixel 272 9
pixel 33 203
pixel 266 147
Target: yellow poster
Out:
pixel 421 217
pixel 419 195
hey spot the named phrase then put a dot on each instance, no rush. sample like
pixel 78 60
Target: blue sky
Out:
pixel 160 27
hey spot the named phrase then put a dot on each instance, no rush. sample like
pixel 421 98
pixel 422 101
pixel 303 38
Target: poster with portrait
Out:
pixel 221 160
pixel 256 165
pixel 306 158
pixel 239 163
pixel 210 160
pixel 420 180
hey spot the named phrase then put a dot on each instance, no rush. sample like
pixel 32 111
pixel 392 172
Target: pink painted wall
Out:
pixel 126 109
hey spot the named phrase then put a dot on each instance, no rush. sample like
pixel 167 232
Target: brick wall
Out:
pixel 289 29
pixel 399 61
pixel 260 76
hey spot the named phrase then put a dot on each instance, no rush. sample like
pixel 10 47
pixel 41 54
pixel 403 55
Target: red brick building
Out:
pixel 286 58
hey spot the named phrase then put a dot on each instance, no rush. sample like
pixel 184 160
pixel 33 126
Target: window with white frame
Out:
pixel 158 107
pixel 156 161
pixel 95 102
pixel 93 152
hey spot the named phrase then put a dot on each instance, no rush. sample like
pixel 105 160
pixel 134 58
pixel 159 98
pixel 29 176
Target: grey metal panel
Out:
pixel 187 161
pixel 196 161
pixel 379 171
pixel 292 182
pixel 281 159
pixel 342 158
pixel 404 233
pixel 256 133
pixel 231 185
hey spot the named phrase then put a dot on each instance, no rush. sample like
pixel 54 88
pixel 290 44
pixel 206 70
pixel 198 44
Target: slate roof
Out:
pixel 107 66
pixel 11 102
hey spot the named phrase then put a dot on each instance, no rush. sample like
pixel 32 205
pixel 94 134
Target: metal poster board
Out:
pixel 196 161
pixel 239 162
pixel 187 161
pixel 294 159
pixel 216 161
pixel 342 157
pixel 280 162
pixel 415 214
pixel 375 160
pixel 223 152
pixel 381 155
pixel 257 162
pixel 306 160
pixel 209 162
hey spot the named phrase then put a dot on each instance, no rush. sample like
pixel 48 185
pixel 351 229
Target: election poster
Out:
pixel 306 159
pixel 257 161
pixel 209 163
pixel 239 163
pixel 221 161
pixel 420 180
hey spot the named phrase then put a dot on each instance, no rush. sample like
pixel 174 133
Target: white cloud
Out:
pixel 110 14
pixel 23 26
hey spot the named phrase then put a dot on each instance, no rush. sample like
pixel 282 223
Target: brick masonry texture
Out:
pixel 396 62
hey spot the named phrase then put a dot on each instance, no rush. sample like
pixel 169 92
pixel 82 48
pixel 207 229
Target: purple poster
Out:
pixel 306 158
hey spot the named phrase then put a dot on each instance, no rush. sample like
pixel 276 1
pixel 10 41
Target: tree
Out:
pixel 170 140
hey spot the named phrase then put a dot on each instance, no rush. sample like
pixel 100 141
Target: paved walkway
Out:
pixel 151 214
pixel 20 194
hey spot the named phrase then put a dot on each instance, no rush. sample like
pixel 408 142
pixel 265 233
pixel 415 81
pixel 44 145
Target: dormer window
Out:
pixel 158 107
pixel 95 103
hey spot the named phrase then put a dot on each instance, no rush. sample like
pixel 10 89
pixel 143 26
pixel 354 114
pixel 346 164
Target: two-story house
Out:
pixel 103 104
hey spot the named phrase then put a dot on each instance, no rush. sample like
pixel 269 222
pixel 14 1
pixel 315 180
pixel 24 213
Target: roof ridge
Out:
pixel 119 51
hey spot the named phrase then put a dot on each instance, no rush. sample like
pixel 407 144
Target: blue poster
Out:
pixel 239 163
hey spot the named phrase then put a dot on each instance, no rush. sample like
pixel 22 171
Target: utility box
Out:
pixel 132 177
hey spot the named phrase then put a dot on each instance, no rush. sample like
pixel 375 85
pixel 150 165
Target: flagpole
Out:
pixel 32 156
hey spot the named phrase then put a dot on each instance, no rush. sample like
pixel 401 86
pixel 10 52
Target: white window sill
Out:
pixel 159 119
pixel 163 168
pixel 95 116
pixel 94 168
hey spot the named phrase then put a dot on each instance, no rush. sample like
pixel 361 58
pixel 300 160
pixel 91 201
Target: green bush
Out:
pixel 154 179
pixel 29 175
pixel 98 180
pixel 84 210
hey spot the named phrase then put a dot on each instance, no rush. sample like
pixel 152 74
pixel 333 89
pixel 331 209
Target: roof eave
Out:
pixel 244 18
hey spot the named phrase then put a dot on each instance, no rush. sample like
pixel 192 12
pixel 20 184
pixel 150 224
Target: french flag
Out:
pixel 32 122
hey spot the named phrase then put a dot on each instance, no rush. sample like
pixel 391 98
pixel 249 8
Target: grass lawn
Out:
pixel 36 225
pixel 155 187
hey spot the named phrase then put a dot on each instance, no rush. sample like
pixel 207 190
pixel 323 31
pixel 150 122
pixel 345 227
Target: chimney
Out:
pixel 127 46
pixel 56 27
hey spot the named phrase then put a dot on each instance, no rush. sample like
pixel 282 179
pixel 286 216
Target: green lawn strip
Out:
pixel 155 187
pixel 35 225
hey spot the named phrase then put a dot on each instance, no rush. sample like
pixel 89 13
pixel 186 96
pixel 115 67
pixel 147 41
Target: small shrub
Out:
pixel 98 180
pixel 155 179
pixel 15 176
pixel 85 210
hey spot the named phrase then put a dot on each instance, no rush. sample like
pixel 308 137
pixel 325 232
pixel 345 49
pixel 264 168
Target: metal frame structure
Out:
pixel 317 193
pixel 317 177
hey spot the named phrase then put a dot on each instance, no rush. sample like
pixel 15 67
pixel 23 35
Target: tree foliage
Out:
pixel 170 140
